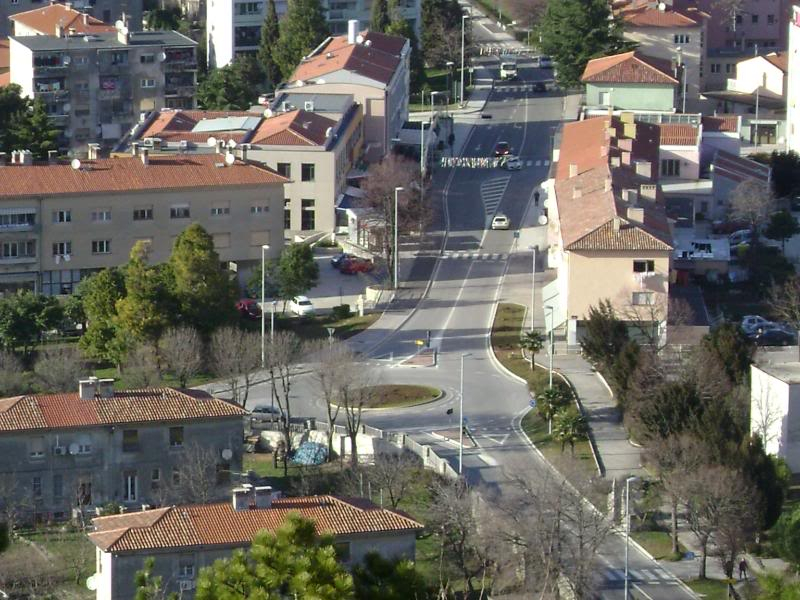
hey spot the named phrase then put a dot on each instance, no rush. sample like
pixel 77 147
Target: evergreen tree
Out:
pixel 782 226
pixel 379 16
pixel 298 272
pixel 270 33
pixel 233 87
pixel 149 586
pixel 301 30
pixel 574 31
pixel 12 108
pixel 100 293
pixel 33 130
pixel 205 293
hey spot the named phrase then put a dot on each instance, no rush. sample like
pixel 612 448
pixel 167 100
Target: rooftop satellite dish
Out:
pixel 542 220
pixel 227 454
pixel 73 448
pixel 329 132
pixel 359 39
pixel 119 24
pixel 75 164
pixel 368 43
pixel 268 113
pixel 211 142
pixel 162 56
pixel 124 30
pixel 91 583
pixel 231 143
pixel 230 159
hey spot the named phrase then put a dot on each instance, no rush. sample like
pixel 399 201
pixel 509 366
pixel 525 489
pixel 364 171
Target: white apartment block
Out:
pixel 775 409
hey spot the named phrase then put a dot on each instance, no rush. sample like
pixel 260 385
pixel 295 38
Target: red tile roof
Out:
pixel 738 168
pixel 293 128
pixel 379 60
pixel 645 14
pixel 62 411
pixel 177 125
pixel 779 59
pixel 5 55
pixel 5 79
pixel 679 134
pixel 45 20
pixel 128 173
pixel 628 67
pixel 220 525
pixel 721 123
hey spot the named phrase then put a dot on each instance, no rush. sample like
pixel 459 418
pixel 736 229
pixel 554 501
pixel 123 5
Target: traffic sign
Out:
pixel 532 402
pixel 419 342
pixel 516 235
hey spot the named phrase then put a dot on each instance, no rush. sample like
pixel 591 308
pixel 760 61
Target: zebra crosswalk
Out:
pixel 649 576
pixel 455 255
pixel 492 191
pixel 537 163
pixel 517 87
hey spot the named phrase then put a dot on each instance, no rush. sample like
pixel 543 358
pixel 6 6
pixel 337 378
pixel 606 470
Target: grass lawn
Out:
pixel 712 589
pixel 536 428
pixel 657 543
pixel 314 328
pixel 398 396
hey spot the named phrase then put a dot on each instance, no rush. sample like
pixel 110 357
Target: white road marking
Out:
pixel 488 460
pixel 503 439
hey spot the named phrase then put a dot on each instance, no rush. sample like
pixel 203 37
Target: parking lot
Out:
pixel 335 288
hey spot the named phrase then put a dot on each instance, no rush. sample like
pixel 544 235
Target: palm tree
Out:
pixel 571 427
pixel 548 403
pixel 533 342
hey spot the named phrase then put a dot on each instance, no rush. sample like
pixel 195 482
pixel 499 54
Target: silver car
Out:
pixel 266 413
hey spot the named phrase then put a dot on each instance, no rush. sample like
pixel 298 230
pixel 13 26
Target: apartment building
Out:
pixel 374 69
pixel 663 31
pixel 793 84
pixel 184 539
pixel 608 233
pixel 745 25
pixel 679 152
pixel 60 222
pixel 80 450
pixel 234 26
pixel 96 87
pixel 108 11
pixel 58 20
pixel 775 409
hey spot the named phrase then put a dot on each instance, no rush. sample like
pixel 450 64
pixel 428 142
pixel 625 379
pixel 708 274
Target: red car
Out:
pixel 248 308
pixel 355 265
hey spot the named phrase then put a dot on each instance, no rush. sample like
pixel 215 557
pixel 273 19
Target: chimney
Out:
pixel 243 152
pixel 241 498
pixel 59 30
pixel 607 185
pixel 644 168
pixel 573 170
pixel 577 192
pixel 145 154
pixel 105 388
pixel 85 18
pixel 617 224
pixel 263 496
pixel 87 388
pixel 134 149
pixel 13 157
pixel 93 151
pixel 26 158
pixel 3 158
pixel 636 214
pixel 52 157
pixel 352 31
pixel 123 35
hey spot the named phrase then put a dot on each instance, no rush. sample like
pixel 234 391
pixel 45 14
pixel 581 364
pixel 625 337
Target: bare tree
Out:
pixel 11 374
pixel 13 502
pixel 235 356
pixel 752 201
pixel 326 376
pixel 766 414
pixel 785 302
pixel 353 392
pixel 379 196
pixel 283 355
pixel 56 368
pixel 395 474
pixel 141 367
pixel 198 478
pixel 182 353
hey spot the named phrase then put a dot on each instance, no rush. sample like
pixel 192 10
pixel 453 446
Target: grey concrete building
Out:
pixel 97 87
pixel 109 11
pixel 66 452
pixel 184 539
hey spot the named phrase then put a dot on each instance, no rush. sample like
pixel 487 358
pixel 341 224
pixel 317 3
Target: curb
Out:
pixel 441 395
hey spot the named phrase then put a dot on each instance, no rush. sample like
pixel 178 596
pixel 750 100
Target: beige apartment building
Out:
pixel 62 222
pixel 608 233
pixel 96 87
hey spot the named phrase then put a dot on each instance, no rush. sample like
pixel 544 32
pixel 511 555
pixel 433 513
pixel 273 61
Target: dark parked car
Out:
pixel 539 87
pixel 355 265
pixel 774 336
pixel 336 259
pixel 728 227
pixel 502 149
pixel 248 308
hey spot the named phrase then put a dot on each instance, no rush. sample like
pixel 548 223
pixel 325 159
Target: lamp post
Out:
pixel 758 90
pixel 449 64
pixel 550 379
pixel 461 418
pixel 272 321
pixel 533 281
pixel 264 249
pixel 463 31
pixel 397 190
pixel 627 527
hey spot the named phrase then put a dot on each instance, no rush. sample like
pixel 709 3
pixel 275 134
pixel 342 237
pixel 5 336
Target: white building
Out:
pixel 234 26
pixel 775 409
pixel 793 84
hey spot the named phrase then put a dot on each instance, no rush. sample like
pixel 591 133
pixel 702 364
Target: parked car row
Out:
pixel 767 333
pixel 350 265
pixel 249 308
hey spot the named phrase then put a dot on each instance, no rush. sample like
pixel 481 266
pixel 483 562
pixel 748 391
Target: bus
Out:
pixel 508 68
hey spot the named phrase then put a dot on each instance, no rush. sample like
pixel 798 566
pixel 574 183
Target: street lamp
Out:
pixel 264 249
pixel 449 64
pixel 461 418
pixel 533 281
pixel 436 93
pixel 627 526
pixel 550 382
pixel 272 321
pixel 463 25
pixel 397 190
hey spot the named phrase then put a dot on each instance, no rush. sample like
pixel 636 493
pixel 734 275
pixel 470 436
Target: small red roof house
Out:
pixel 58 20
pixel 630 81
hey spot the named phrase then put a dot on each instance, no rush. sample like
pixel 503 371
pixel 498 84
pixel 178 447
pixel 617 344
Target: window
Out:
pixel 220 211
pixel 155 479
pixel 37 487
pixel 307 171
pixel 62 216
pixel 20 249
pixel 85 446
pixel 176 476
pixel 715 67
pixel 81 60
pixel 729 68
pixel 681 38
pixel 754 18
pixel 130 483
pixel 62 248
pixel 287 214
pixel 259 210
pixel 58 486
pixel 671 167
pixel 130 440
pixel 285 169
pixel 37 447
pixel 148 83
pixel 143 214
pixel 179 212
pixel 642 298
pixel 249 8
pixel 175 437
pixel 20 219
pixel 342 550
pixel 771 19
pixel 101 215
pixel 644 266
pixel 307 218
pixel 101 246
pixel 147 59
pixel 223 471
pixel 738 19
pixel 186 567
pixel 85 492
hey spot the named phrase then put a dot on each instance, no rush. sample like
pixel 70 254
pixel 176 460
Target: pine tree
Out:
pixel 233 87
pixel 399 26
pixel 302 29
pixel 33 130
pixel 379 16
pixel 270 33
pixel 12 107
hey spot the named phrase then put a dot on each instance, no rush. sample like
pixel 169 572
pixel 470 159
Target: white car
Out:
pixel 301 306
pixel 752 323
pixel 513 163
pixel 500 221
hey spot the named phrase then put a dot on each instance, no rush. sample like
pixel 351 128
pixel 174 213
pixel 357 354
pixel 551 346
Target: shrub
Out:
pixel 341 312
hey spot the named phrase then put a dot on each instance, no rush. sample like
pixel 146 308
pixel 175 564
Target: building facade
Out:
pixel 60 223
pixel 96 87
pixel 793 83
pixel 81 450
pixel 775 409
pixel 59 20
pixel 108 11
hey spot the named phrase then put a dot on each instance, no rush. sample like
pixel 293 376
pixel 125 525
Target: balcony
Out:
pixel 114 68
pixel 17 260
pixel 173 66
pixel 49 70
pixel 179 90
pixel 32 227
pixel 51 95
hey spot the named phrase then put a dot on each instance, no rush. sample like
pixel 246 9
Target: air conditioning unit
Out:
pixel 185 585
pixel 148 142
pixel 60 451
pixel 184 144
